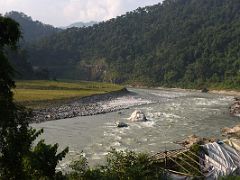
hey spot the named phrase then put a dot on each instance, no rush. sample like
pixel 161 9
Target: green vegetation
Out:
pixel 36 94
pixel 231 178
pixel 31 31
pixel 120 165
pixel 188 43
pixel 19 158
pixel 179 43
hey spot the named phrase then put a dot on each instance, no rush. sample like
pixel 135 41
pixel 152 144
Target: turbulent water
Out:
pixel 172 116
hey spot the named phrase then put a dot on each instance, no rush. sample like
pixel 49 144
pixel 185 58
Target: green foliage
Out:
pixel 16 137
pixel 13 125
pixel 119 165
pixel 42 161
pixel 176 43
pixel 23 68
pixel 31 31
pixel 230 178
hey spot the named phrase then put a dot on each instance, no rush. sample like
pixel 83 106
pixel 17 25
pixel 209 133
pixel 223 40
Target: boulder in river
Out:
pixel 235 108
pixel 122 125
pixel 48 116
pixel 137 116
pixel 204 90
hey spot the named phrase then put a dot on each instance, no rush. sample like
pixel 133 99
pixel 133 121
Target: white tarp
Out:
pixel 220 160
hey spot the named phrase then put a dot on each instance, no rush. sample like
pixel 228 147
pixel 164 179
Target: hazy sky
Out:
pixel 65 12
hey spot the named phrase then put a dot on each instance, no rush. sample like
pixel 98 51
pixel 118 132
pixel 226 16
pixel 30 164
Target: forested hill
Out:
pixel 31 30
pixel 177 43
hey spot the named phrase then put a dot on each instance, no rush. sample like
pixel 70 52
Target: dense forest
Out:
pixel 185 43
pixel 31 31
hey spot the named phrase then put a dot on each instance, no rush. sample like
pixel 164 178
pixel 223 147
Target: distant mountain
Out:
pixel 31 30
pixel 80 24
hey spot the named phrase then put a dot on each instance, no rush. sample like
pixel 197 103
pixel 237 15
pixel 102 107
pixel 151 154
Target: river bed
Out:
pixel 172 115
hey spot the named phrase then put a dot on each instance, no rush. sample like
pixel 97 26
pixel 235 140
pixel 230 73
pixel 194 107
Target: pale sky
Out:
pixel 65 12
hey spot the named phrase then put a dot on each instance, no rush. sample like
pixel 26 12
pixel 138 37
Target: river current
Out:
pixel 173 115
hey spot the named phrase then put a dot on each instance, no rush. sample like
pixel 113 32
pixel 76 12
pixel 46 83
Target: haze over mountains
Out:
pixel 176 43
pixel 80 24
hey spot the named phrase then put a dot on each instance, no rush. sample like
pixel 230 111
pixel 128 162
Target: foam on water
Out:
pixel 148 124
pixel 126 101
pixel 114 144
pixel 168 94
pixel 170 115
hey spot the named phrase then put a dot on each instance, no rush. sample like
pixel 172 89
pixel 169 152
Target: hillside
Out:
pixel 31 30
pixel 176 43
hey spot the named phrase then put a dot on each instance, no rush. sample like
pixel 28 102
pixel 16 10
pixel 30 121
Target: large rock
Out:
pixel 193 139
pixel 122 125
pixel 138 116
pixel 204 90
pixel 231 132
pixel 235 108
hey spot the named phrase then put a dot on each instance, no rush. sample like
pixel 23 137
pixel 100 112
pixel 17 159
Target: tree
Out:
pixel 42 161
pixel 119 165
pixel 12 126
pixel 16 136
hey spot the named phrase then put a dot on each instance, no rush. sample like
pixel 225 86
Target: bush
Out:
pixel 119 165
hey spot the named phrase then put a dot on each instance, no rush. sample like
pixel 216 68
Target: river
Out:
pixel 172 115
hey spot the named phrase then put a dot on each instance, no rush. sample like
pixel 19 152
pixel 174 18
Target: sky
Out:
pixel 65 12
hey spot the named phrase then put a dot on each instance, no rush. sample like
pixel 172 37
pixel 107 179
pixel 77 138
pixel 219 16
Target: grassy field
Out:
pixel 36 94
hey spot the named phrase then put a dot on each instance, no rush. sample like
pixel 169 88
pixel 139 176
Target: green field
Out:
pixel 37 94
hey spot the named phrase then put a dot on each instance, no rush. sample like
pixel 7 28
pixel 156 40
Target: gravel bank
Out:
pixel 86 106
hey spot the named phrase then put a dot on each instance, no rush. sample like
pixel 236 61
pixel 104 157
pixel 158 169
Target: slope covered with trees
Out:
pixel 31 30
pixel 175 43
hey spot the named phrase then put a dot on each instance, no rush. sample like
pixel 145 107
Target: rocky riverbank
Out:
pixel 194 139
pixel 86 106
pixel 231 132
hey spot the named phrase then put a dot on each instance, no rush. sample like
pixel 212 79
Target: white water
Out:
pixel 172 116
